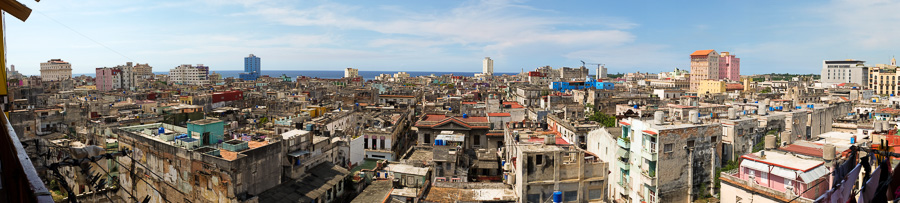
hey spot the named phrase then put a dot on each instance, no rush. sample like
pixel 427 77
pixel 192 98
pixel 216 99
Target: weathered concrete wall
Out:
pixel 682 171
pixel 190 175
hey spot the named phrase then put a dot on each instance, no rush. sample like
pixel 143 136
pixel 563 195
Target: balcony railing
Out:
pixel 649 177
pixel 624 143
pixel 20 180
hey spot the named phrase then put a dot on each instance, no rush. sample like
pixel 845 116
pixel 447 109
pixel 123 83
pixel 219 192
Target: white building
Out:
pixel 401 75
pixel 487 66
pixel 844 71
pixel 351 73
pixel 190 75
pixel 56 70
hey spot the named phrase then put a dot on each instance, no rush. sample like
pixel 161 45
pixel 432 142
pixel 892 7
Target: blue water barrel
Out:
pixel 557 196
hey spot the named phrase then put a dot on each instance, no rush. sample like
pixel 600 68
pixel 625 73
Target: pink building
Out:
pixel 107 79
pixel 777 176
pixel 729 67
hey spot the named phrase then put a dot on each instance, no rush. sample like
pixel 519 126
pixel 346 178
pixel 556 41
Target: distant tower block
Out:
pixel 601 72
pixel 488 66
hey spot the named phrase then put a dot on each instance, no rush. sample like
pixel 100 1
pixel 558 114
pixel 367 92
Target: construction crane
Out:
pixel 601 70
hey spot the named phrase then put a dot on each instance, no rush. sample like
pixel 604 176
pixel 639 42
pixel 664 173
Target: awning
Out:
pixel 621 152
pixel 452 138
pixel 755 165
pixel 813 174
pixel 298 153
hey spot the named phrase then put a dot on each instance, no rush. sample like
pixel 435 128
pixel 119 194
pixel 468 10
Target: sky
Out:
pixel 409 35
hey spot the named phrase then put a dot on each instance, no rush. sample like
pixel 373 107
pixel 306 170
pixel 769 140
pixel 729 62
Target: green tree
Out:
pixel 766 90
pixel 605 120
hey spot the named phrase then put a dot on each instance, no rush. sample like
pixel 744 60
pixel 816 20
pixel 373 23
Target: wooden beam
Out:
pixel 15 9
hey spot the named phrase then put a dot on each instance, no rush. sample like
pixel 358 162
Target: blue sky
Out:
pixel 627 36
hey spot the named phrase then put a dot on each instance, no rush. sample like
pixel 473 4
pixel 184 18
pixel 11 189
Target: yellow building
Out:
pixel 189 100
pixel 884 80
pixel 711 87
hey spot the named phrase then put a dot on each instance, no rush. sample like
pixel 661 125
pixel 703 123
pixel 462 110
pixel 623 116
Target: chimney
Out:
pixel 732 114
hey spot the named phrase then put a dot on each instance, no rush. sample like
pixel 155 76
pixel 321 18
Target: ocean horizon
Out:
pixel 326 74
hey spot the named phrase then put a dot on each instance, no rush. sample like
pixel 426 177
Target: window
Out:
pixel 427 138
pixel 714 138
pixel 366 143
pixel 382 143
pixel 477 140
pixel 690 143
pixel 539 159
pixel 788 182
pixel 668 148
pixel 764 177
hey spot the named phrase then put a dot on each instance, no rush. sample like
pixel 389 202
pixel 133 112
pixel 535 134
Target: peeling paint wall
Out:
pixel 180 174
pixel 689 164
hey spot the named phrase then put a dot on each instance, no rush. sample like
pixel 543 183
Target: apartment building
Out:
pixel 704 66
pixel 662 161
pixel 56 70
pixel 189 75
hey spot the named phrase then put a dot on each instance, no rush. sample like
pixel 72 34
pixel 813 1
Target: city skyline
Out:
pixel 769 36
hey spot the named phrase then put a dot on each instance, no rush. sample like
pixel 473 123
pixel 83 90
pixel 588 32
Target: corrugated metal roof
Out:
pixel 811 175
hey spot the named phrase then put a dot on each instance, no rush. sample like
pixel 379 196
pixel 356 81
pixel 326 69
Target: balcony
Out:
pixel 623 164
pixel 626 186
pixel 20 180
pixel 648 177
pixel 624 143
pixel 650 153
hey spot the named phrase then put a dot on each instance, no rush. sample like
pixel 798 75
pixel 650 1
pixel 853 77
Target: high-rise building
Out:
pixel 844 71
pixel 107 79
pixel 729 66
pixel 251 68
pixel 119 77
pixel 351 73
pixel 704 66
pixel 487 66
pixel 143 71
pixel 56 70
pixel 189 75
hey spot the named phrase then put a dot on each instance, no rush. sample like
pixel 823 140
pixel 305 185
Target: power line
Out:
pixel 151 172
pixel 83 35
pixel 76 162
pixel 161 194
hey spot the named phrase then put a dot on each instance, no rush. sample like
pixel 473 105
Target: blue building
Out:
pixel 251 68
pixel 577 85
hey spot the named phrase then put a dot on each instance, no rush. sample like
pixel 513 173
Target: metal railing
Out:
pixel 21 182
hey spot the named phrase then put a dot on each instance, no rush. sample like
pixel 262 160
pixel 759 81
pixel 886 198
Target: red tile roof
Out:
pixel 702 52
pixel 888 111
pixel 649 132
pixel 433 120
pixel 514 105
pixel 469 102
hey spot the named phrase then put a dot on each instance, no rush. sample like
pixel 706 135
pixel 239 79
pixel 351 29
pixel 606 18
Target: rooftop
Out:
pixel 378 191
pixel 205 121
pixel 702 52
pixel 784 160
pixel 321 178
pixel 407 169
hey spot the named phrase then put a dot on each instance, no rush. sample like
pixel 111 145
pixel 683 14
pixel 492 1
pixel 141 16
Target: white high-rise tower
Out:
pixel 488 66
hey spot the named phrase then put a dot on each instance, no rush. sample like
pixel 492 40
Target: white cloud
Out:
pixel 869 23
pixel 496 28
